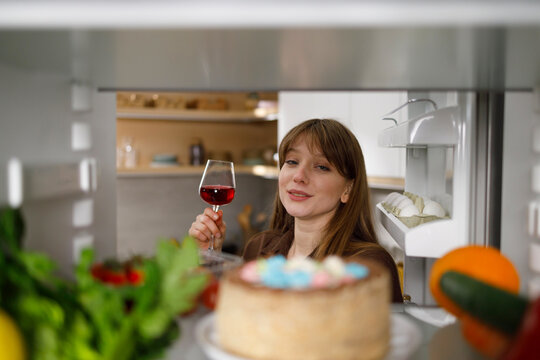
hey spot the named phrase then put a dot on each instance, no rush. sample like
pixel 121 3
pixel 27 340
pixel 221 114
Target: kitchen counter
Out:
pixel 265 171
pixel 438 343
pixel 386 183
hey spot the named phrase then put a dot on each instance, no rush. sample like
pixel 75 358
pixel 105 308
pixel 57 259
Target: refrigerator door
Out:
pixel 520 215
pixel 453 157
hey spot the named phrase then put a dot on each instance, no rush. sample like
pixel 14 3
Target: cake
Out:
pixel 302 309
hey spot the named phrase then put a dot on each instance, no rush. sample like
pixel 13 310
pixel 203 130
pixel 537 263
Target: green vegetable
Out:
pixel 89 320
pixel 491 305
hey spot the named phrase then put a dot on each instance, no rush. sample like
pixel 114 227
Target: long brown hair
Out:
pixel 351 219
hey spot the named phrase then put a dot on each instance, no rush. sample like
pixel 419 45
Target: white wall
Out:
pixel 521 121
pixel 297 106
pixel 360 111
pixel 367 111
pixel 36 126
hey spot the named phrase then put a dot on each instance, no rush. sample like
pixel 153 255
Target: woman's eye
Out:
pixel 323 168
pixel 291 162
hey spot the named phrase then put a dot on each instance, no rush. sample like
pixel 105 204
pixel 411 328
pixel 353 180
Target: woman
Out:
pixel 322 206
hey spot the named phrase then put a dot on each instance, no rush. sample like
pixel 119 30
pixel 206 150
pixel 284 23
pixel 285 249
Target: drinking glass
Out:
pixel 217 186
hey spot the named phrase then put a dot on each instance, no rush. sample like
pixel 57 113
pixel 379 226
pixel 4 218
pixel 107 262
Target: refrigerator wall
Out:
pixel 520 222
pixel 53 131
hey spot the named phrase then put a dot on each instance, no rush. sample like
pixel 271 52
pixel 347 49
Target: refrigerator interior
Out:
pixel 58 111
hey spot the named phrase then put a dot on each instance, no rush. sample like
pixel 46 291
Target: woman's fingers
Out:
pixel 199 231
pixel 209 219
pixel 203 228
pixel 218 241
pixel 206 225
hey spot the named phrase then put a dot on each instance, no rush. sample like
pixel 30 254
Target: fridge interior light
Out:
pixel 15 182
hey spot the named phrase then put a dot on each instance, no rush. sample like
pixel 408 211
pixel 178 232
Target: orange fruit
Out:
pixel 482 263
pixel 488 341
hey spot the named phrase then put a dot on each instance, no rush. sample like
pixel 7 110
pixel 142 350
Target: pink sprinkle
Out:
pixel 347 279
pixel 321 279
pixel 249 272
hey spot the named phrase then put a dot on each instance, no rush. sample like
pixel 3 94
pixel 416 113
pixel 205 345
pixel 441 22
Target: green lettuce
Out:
pixel 86 319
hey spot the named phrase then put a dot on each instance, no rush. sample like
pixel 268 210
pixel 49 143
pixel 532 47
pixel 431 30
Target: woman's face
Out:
pixel 310 187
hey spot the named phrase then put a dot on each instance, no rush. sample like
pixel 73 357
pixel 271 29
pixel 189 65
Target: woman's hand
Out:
pixel 207 224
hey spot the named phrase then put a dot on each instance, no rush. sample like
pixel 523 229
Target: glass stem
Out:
pixel 212 240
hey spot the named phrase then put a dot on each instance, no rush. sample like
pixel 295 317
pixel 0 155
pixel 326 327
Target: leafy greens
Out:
pixel 87 319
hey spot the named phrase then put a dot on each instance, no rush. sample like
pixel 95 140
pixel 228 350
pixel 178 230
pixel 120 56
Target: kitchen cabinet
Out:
pixel 241 127
pixel 361 111
pixel 367 110
pixel 244 143
pixel 297 106
pixel 199 106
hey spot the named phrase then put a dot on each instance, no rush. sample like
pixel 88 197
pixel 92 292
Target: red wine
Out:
pixel 217 194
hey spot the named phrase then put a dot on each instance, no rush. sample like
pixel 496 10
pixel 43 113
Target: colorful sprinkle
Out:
pixel 274 279
pixel 335 266
pixel 356 270
pixel 321 279
pixel 250 273
pixel 303 264
pixel 301 273
pixel 299 279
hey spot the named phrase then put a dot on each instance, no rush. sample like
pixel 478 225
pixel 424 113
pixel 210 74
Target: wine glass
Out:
pixel 217 186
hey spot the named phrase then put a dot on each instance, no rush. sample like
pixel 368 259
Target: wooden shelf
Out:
pixel 265 171
pixel 187 115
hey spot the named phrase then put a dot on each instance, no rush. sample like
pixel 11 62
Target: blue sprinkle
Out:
pixel 274 279
pixel 299 279
pixel 356 270
pixel 276 262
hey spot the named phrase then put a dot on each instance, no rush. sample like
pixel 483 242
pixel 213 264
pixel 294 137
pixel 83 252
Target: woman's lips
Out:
pixel 298 195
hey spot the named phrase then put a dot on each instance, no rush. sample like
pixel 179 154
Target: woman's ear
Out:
pixel 345 196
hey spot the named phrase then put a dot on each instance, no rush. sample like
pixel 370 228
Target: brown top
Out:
pixel 271 243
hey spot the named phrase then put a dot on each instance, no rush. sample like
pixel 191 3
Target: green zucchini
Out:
pixel 491 305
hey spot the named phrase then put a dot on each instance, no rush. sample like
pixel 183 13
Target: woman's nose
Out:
pixel 300 175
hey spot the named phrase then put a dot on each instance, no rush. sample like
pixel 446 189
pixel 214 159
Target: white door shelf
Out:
pixel 435 128
pixel 432 239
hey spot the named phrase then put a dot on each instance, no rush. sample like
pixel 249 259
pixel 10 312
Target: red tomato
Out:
pixel 209 295
pixel 134 276
pixel 114 277
pixel 108 275
pixel 97 271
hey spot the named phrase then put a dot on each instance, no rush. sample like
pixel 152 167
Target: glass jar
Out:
pixel 196 152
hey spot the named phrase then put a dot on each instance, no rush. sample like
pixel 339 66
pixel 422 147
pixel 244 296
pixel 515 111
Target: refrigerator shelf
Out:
pixel 435 128
pixel 430 240
pixel 30 182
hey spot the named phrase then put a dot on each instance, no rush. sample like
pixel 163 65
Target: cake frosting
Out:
pixel 301 273
pixel 304 309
